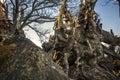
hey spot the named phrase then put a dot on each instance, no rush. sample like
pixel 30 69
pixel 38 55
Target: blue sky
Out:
pixel 109 16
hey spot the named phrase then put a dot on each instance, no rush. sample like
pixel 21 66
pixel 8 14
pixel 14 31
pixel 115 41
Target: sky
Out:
pixel 109 16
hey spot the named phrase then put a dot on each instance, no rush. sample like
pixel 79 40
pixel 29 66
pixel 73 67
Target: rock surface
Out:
pixel 29 62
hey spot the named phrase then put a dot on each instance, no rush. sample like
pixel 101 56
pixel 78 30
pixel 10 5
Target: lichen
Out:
pixel 5 52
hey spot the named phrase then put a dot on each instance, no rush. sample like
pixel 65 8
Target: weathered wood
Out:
pixel 109 38
pixel 81 57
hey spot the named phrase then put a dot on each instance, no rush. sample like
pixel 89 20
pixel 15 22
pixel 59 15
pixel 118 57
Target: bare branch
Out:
pixel 12 3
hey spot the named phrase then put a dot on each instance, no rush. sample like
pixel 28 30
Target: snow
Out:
pixel 32 35
pixel 105 44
